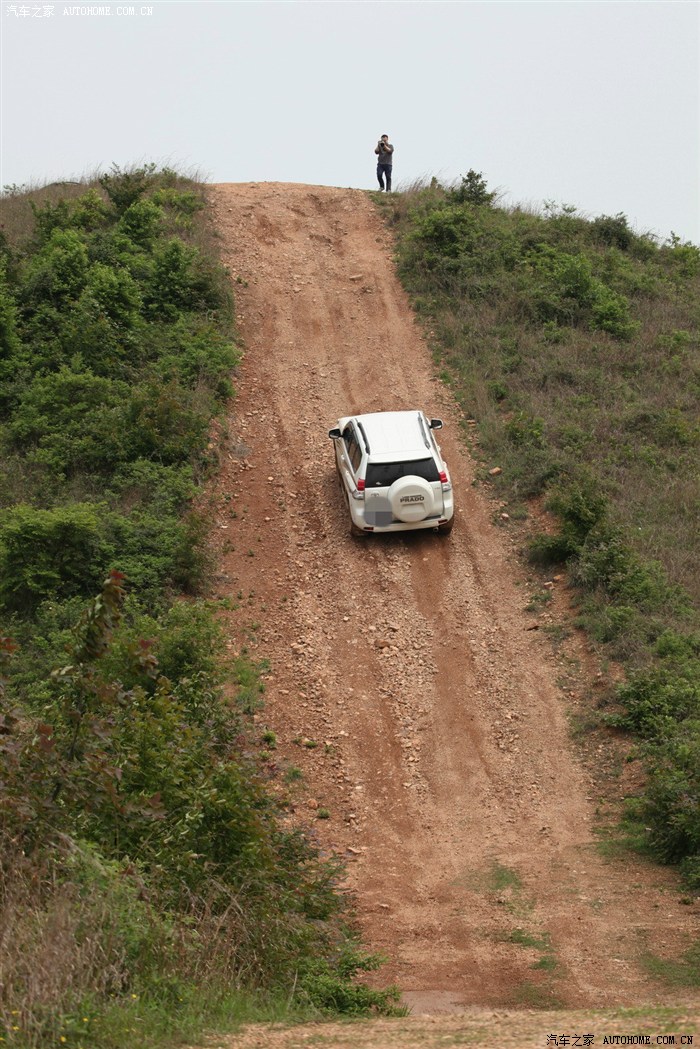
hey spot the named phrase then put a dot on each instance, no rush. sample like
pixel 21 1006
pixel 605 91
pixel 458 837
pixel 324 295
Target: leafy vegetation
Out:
pixel 145 870
pixel 574 346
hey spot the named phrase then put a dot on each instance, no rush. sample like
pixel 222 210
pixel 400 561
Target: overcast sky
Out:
pixel 592 104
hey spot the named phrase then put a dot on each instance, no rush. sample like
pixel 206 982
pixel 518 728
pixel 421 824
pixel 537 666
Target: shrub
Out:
pixel 611 312
pixel 58 273
pixel 604 557
pixel 164 424
pixel 684 258
pixel 141 222
pixel 77 926
pixel 124 187
pixel 73 421
pixel 446 233
pixel 472 190
pixel 159 554
pixel 46 551
pixel 136 768
pixel 88 213
pixel 525 431
pixel 193 353
pixel 179 282
pixel 613 230
pixel 9 340
pixel 115 293
pixel 166 490
pixel 666 693
pixel 183 202
pixel 672 796
pixel 569 292
pixel 332 988
pixel 581 508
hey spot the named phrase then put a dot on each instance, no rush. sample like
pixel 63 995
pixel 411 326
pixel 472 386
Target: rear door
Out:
pixel 381 476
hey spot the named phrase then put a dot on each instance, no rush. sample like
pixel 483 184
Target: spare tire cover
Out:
pixel 411 499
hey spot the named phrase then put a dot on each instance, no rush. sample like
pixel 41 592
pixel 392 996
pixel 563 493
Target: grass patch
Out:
pixel 526 939
pixel 682 972
pixel 529 995
pixel 500 877
pixel 547 962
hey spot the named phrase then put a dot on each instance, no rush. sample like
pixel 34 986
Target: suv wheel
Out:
pixel 446 527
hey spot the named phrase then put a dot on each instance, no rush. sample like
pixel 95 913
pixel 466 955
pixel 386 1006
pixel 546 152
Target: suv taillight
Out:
pixel 443 476
pixel 360 484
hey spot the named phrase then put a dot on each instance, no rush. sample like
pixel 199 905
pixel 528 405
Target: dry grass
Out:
pixel 17 217
pixel 55 947
pixel 75 934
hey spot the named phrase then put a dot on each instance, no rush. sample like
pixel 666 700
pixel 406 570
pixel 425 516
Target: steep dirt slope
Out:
pixel 405 681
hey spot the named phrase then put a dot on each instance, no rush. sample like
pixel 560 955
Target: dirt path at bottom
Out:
pixel 407 687
pixel 496 1030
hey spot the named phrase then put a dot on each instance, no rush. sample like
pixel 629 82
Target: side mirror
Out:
pixel 335 433
pixel 436 424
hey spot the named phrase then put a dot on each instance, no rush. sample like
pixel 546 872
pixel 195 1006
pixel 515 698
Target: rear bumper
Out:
pixel 401 526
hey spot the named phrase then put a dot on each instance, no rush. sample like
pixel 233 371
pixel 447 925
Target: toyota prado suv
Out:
pixel 391 472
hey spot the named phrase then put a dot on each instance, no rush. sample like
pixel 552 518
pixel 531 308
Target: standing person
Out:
pixel 384 153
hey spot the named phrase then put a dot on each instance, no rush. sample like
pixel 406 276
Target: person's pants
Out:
pixel 384 172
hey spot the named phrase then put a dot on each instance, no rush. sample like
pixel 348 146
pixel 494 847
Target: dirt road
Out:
pixel 425 716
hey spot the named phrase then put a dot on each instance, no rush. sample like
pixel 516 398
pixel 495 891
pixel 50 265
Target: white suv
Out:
pixel 391 472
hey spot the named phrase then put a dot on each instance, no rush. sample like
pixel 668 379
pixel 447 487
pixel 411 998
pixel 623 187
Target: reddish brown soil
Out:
pixel 427 717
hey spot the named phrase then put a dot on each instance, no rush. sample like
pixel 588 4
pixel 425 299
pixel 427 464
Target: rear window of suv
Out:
pixel 383 475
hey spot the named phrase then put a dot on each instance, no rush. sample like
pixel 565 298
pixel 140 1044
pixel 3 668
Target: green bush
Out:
pixel 523 430
pixel 179 282
pixel 193 353
pixel 568 292
pixel 472 190
pixel 158 554
pixel 672 796
pixel 165 490
pixel 613 230
pixel 164 423
pixel 332 988
pixel 44 552
pixel 88 213
pixel 115 294
pixel 582 510
pixel 446 234
pixel 125 187
pixel 667 693
pixel 9 340
pixel 611 312
pixel 75 421
pixel 58 272
pixel 141 222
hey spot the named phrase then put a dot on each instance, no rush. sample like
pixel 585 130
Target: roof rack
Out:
pixel 422 430
pixel 364 435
